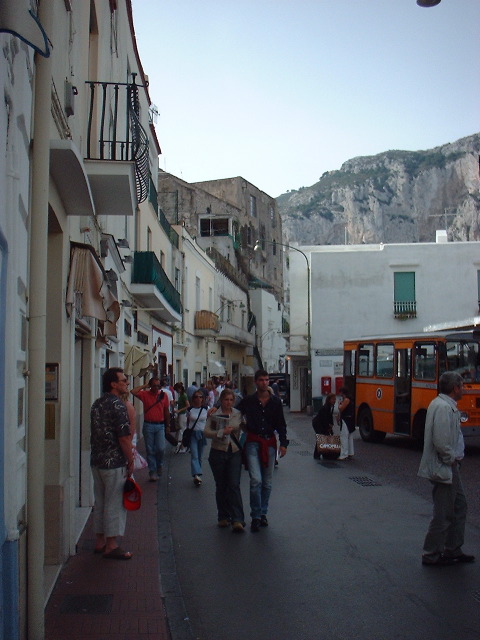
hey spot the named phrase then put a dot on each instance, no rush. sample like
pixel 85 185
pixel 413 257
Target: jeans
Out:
pixel 260 479
pixel 154 435
pixel 227 468
pixel 197 443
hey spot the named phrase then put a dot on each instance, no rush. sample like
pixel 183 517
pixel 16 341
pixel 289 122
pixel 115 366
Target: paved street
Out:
pixel 340 559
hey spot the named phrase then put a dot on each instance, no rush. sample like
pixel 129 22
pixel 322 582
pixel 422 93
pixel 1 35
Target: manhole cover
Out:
pixel 87 604
pixel 365 481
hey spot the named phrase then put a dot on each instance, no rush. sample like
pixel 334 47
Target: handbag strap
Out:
pixel 159 398
pixel 198 416
pixel 236 441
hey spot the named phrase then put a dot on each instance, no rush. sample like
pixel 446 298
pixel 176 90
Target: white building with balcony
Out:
pixel 368 290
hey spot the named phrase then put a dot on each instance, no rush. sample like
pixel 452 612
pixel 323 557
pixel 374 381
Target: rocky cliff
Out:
pixel 395 196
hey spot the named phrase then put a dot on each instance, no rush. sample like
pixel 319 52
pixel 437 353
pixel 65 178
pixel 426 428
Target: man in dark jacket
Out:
pixel 264 419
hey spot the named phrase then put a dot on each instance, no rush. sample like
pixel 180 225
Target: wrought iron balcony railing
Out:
pixel 405 310
pixel 148 270
pixel 114 131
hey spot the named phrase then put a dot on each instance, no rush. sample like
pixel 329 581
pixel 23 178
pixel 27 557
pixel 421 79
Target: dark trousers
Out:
pixel 447 527
pixel 227 468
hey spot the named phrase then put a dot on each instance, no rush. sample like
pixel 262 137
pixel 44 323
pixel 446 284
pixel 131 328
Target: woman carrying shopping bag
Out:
pixel 346 420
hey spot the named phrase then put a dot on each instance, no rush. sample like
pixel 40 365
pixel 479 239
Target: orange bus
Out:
pixel 393 380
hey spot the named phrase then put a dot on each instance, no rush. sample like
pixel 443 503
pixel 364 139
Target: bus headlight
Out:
pixel 463 416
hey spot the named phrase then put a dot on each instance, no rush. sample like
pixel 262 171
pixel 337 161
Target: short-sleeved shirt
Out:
pixel 156 412
pixel 108 422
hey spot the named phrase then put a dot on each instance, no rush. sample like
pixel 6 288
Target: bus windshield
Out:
pixel 463 358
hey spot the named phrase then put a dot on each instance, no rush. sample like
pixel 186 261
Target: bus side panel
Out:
pixel 378 395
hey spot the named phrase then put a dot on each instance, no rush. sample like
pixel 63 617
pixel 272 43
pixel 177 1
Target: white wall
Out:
pixel 352 293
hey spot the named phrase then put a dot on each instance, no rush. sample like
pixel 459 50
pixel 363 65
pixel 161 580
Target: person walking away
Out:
pixel 275 387
pixel 156 418
pixel 191 390
pixel 181 413
pixel 197 417
pixel 443 451
pixel 111 460
pixel 323 421
pixel 346 420
pixel 264 417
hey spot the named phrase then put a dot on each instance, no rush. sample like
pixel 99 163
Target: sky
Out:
pixel 280 91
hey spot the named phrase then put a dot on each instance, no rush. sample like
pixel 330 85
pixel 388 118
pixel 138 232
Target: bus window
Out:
pixel 425 361
pixel 385 361
pixel 464 358
pixel 349 364
pixel 365 360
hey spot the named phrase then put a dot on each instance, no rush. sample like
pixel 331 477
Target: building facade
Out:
pixel 368 290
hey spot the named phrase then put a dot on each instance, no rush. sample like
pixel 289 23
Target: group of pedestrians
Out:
pixel 248 434
pixel 344 417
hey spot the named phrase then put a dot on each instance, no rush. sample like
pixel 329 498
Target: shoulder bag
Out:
pixel 187 434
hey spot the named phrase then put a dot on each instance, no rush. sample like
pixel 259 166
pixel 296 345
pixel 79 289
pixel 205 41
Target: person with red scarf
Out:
pixel 264 419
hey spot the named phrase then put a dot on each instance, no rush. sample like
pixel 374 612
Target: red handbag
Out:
pixel 132 495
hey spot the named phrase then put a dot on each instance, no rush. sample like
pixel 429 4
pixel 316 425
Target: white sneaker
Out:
pixel 197 481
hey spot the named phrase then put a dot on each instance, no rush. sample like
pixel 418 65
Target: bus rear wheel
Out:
pixel 365 426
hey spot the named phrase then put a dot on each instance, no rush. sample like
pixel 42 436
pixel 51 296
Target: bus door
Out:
pixel 402 391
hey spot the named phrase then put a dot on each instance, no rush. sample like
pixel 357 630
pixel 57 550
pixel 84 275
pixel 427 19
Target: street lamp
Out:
pixel 258 245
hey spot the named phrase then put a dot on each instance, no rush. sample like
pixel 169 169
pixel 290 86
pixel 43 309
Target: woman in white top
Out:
pixel 197 415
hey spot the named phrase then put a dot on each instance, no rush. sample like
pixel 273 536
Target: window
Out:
pixel 478 289
pixel 274 248
pixel 404 303
pixel 162 260
pixel 197 293
pixel 365 360
pixel 385 360
pixel 249 236
pixel 272 215
pixel 178 280
pixel 149 239
pixel 214 226
pixel 425 360
pixel 253 206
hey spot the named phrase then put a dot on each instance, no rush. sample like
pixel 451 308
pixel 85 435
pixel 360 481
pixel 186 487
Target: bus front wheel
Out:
pixel 365 426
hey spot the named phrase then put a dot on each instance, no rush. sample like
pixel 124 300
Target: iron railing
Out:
pixel 148 270
pixel 118 136
pixel 404 310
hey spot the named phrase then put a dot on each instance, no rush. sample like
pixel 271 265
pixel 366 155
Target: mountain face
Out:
pixel 395 196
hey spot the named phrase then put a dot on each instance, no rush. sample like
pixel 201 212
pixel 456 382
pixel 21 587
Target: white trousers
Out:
pixel 346 441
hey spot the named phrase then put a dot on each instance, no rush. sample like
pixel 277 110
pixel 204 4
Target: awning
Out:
pixel 246 370
pixel 216 368
pixel 137 361
pixel 17 19
pixel 88 289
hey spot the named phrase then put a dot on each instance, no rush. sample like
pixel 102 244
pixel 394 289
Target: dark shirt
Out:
pixel 264 420
pixel 108 422
pixel 324 419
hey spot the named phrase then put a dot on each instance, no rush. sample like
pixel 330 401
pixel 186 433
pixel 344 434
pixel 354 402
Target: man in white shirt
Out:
pixel 442 454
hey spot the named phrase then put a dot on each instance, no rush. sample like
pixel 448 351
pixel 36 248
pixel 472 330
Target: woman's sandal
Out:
pixel 118 554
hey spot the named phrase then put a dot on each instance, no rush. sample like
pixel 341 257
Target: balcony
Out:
pixel 405 310
pixel 207 324
pixel 235 335
pixel 117 159
pixel 152 288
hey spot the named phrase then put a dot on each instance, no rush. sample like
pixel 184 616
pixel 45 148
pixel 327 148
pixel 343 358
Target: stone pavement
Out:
pixel 98 599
